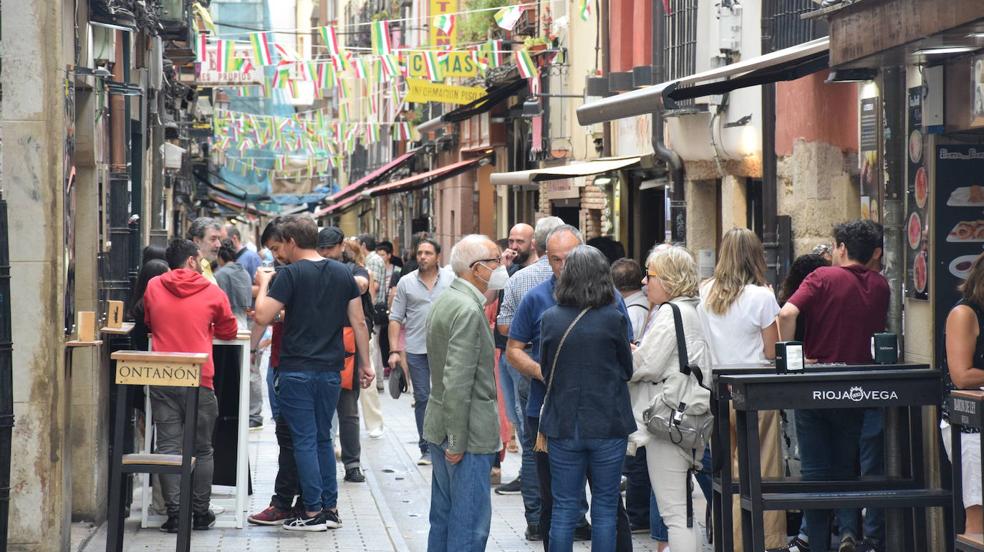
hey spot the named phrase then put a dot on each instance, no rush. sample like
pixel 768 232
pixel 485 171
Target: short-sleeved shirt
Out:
pixel 735 337
pixel 525 327
pixel 843 308
pixel 315 295
pixel 413 303
pixel 250 261
pixel 377 267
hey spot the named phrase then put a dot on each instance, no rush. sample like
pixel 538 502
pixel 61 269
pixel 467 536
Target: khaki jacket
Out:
pixel 462 408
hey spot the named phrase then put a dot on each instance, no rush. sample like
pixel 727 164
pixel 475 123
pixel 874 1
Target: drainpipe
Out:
pixel 770 207
pixel 6 375
pixel 604 31
pixel 676 217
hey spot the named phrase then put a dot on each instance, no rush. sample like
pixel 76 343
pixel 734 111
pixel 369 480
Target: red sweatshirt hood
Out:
pixel 183 282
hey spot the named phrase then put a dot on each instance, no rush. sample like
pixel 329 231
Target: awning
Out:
pixel 787 64
pixel 430 177
pixel 596 166
pixel 495 95
pixel 338 207
pixel 374 176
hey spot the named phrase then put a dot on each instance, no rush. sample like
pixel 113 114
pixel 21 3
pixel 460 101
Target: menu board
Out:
pixel 868 157
pixel 917 212
pixel 959 225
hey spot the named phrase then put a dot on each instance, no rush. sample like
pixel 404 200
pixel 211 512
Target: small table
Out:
pixel 237 507
pixel 966 410
pixel 753 388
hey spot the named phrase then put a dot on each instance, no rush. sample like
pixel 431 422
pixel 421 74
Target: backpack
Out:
pixel 680 413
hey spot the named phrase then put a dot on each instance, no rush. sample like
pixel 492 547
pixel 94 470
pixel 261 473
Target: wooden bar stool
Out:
pixel 158 369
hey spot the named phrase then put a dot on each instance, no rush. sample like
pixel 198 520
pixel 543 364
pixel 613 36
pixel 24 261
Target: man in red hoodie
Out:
pixel 184 312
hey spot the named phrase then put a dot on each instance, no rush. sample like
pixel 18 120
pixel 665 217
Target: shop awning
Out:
pixel 373 177
pixel 781 65
pixel 588 168
pixel 340 206
pixel 430 177
pixel 495 95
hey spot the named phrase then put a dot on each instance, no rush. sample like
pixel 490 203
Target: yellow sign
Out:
pixel 437 37
pixel 454 64
pixel 171 374
pixel 425 91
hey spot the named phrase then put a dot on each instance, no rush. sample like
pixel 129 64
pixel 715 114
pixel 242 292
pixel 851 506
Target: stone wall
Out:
pixel 817 187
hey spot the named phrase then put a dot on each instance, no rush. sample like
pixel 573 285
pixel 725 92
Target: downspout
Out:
pixel 770 207
pixel 676 217
pixel 604 32
pixel 6 375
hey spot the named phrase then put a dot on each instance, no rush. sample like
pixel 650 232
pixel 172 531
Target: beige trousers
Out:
pixel 771 458
pixel 668 465
pixel 372 413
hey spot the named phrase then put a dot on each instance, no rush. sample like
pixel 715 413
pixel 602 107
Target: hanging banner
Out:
pixel 421 91
pixel 439 38
pixel 421 65
pixel 215 71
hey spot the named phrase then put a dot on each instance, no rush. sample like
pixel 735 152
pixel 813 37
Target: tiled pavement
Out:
pixel 387 513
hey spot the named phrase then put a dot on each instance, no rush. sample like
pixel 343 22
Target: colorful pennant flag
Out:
pixel 359 67
pixel 225 56
pixel 391 66
pixel 444 23
pixel 431 68
pixel 585 11
pixel 495 53
pixel 202 48
pixel 330 39
pixel 508 16
pixel 525 64
pixel 380 38
pixel 261 49
pixel 285 54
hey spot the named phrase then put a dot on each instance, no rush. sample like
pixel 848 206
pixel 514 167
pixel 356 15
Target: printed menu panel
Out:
pixel 917 213
pixel 959 226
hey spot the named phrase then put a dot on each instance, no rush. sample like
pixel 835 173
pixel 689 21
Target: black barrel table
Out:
pixel 966 410
pixel 754 388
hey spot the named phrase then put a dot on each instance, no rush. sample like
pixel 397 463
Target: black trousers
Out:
pixel 286 486
pixel 637 488
pixel 623 533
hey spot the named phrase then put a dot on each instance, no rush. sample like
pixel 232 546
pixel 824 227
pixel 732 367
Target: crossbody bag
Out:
pixel 541 439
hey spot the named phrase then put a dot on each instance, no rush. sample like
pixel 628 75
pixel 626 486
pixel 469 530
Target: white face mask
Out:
pixel 498 278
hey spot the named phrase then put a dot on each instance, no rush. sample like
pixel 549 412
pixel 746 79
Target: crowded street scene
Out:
pixel 505 275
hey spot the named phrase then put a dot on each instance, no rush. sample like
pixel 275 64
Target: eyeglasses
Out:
pixel 652 275
pixel 497 260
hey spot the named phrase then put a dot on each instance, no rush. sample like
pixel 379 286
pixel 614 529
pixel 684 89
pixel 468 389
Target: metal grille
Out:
pixel 680 46
pixel 787 27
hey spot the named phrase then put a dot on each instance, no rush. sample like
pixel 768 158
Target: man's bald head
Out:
pixel 521 241
pixel 561 241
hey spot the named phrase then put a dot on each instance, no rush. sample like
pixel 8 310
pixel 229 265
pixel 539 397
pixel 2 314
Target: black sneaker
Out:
pixel 639 528
pixel 533 532
pixel 303 523
pixel 795 545
pixel 582 532
pixel 203 521
pixel 848 544
pixel 354 475
pixel 171 525
pixel 332 521
pixel 513 487
pixel 869 545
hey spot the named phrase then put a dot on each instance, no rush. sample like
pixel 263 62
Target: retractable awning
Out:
pixel 781 65
pixel 374 176
pixel 430 177
pixel 588 168
pixel 338 207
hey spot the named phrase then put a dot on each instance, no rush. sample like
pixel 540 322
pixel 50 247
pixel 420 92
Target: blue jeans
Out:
pixel 570 462
pixel 272 392
pixel 420 376
pixel 510 393
pixel 461 506
pixel 873 463
pixel 828 442
pixel 529 479
pixel 307 403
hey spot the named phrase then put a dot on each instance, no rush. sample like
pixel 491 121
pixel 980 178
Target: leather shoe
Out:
pixel 533 532
pixel 354 475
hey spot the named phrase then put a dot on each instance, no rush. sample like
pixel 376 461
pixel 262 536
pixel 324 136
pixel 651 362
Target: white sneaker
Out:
pixel 376 433
pixel 216 509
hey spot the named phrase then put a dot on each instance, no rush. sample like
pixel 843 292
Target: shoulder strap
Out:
pixel 684 357
pixel 553 365
pixel 641 306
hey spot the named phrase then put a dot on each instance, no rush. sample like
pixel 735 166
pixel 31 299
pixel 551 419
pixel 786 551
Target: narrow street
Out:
pixel 387 513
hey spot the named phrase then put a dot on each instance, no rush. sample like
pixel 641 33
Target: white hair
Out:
pixel 471 248
pixel 544 227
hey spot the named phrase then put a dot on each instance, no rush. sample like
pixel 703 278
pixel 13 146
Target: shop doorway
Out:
pixel 646 219
pixel 570 215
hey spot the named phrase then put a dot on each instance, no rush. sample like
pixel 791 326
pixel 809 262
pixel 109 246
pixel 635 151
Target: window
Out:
pixel 787 27
pixel 680 41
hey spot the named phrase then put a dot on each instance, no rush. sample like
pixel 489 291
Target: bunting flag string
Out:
pixel 525 64
pixel 261 49
pixel 380 38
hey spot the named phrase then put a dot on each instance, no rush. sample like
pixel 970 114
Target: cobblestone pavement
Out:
pixel 387 513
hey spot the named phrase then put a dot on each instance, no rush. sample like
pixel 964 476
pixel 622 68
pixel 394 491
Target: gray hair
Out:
pixel 199 225
pixel 561 229
pixel 471 248
pixel 544 227
pixel 586 281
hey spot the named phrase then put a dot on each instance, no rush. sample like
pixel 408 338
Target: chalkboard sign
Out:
pixel 917 213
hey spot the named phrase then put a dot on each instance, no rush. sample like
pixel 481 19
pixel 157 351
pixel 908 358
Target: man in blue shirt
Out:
pixel 525 329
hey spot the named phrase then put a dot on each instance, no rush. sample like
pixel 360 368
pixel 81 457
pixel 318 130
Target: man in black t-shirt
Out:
pixel 319 296
pixel 331 244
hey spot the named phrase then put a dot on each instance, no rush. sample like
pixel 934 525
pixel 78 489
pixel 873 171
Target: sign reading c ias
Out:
pixel 456 64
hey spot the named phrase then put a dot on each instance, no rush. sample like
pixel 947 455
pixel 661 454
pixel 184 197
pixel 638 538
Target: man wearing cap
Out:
pixel 331 245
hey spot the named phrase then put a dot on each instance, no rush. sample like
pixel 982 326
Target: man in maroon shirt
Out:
pixel 843 306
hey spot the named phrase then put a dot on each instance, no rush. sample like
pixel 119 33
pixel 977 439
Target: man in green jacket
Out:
pixel 462 418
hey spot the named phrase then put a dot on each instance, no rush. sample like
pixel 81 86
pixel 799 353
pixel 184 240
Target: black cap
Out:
pixel 330 236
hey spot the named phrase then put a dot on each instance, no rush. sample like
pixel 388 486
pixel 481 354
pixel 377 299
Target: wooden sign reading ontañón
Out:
pixel 164 369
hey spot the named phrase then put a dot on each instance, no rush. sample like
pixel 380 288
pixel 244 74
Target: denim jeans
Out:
pixel 571 460
pixel 461 504
pixel 529 481
pixel 272 391
pixel 307 402
pixel 828 441
pixel 420 377
pixel 873 463
pixel 510 398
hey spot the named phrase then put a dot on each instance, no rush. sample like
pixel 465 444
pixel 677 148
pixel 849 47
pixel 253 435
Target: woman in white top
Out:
pixel 671 275
pixel 738 313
